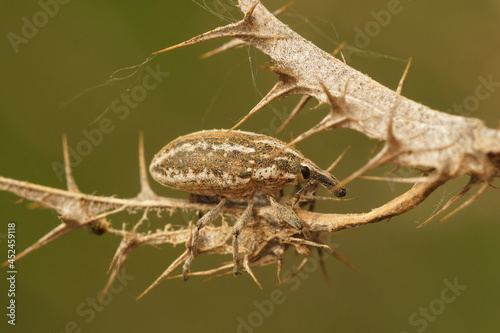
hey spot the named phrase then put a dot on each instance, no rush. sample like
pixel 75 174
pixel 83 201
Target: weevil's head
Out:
pixel 309 171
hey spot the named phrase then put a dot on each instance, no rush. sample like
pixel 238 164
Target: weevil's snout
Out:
pixel 331 184
pixel 310 171
pixel 339 192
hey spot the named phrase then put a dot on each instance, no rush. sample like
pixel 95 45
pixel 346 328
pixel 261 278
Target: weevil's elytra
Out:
pixel 234 165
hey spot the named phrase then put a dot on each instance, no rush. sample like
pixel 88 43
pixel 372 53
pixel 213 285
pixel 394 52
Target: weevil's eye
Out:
pixel 306 173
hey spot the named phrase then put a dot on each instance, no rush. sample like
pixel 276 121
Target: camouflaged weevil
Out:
pixel 234 165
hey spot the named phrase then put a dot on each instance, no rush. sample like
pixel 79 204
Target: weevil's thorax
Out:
pixel 275 165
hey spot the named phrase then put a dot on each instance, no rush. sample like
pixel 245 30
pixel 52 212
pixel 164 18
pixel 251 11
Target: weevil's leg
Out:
pixel 206 219
pixel 186 266
pixel 301 266
pixel 240 224
pixel 321 258
pixel 193 247
pixel 287 214
pixel 296 196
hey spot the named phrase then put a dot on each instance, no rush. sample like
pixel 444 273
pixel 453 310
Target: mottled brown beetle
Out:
pixel 234 165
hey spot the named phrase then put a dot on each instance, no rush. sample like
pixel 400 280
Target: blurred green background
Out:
pixel 403 269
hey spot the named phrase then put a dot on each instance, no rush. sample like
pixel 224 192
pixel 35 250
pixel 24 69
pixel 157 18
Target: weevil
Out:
pixel 235 165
